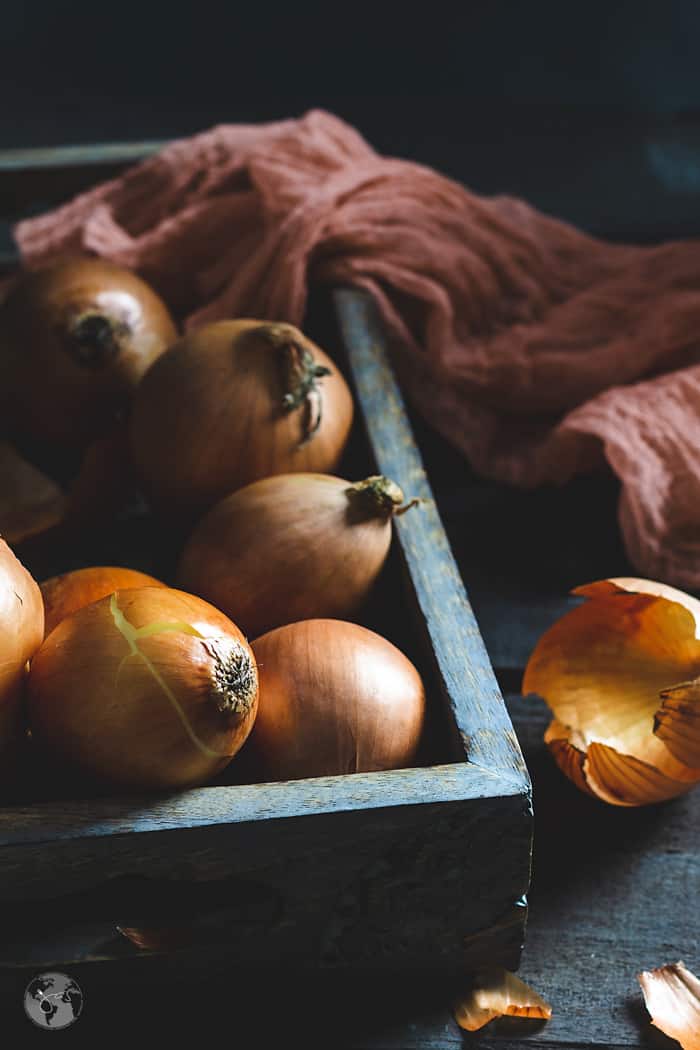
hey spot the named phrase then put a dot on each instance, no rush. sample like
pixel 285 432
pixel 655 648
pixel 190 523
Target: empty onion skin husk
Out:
pixel 63 595
pixel 75 339
pixel 145 689
pixel 672 997
pixel 233 402
pixel 21 633
pixel 335 698
pixel 620 674
pixel 291 547
pixel 46 519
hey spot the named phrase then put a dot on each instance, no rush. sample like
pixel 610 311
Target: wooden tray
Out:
pixel 423 868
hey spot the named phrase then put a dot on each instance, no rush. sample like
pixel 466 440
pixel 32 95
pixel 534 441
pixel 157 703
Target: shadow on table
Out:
pixel 272 1007
pixel 649 1035
pixel 575 833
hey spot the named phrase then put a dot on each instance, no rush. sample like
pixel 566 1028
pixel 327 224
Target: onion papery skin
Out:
pixel 30 502
pixel 100 707
pixel 63 595
pixel 336 698
pixel 210 415
pixel 21 633
pixel 75 339
pixel 290 547
pixel 621 675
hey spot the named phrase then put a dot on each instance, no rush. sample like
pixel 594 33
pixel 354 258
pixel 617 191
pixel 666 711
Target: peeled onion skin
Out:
pixel 75 339
pixel 30 502
pixel 291 547
pixel 672 997
pixel 335 698
pixel 621 675
pixel 41 517
pixel 163 701
pixel 233 402
pixel 21 632
pixel 65 594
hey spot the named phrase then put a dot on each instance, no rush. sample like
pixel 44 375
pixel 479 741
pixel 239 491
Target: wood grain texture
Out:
pixel 465 673
pixel 40 823
pixel 407 886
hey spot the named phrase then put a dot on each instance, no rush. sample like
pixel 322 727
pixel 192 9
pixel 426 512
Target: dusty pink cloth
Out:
pixel 528 344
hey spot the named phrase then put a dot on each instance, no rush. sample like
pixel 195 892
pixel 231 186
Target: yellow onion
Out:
pixel 146 688
pixel 233 402
pixel 335 698
pixel 65 594
pixel 75 339
pixel 21 632
pixel 620 673
pixel 292 547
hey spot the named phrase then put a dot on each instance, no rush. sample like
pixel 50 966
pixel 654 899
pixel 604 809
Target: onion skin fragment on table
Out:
pixel 621 675
pixel 672 997
pixel 497 993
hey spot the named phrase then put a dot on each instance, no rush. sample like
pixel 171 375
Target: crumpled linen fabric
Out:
pixel 536 349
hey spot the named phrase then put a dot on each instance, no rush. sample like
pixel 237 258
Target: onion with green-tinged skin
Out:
pixel 21 632
pixel 149 688
pixel 233 402
pixel 292 547
pixel 65 594
pixel 75 339
pixel 335 698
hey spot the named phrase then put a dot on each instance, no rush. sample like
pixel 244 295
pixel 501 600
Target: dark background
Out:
pixel 587 110
pixel 77 69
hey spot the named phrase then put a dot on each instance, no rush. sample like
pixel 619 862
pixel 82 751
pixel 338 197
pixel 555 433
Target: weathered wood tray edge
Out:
pixel 466 675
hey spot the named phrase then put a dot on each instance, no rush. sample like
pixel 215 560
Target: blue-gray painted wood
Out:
pixel 56 157
pixel 46 822
pixel 418 885
pixel 466 676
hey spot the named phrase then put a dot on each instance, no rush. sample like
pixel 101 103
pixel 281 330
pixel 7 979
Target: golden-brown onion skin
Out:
pixel 286 548
pixel 335 698
pixel 21 632
pixel 30 502
pixel 62 380
pixel 618 673
pixel 98 708
pixel 209 418
pixel 65 594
